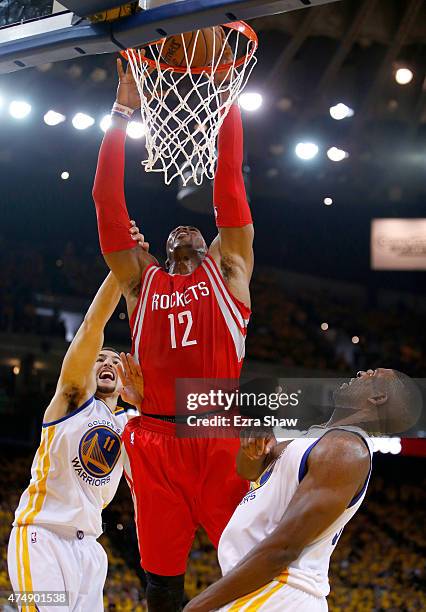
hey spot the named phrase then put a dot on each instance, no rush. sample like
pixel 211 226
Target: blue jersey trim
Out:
pixel 119 412
pixel 71 414
pixel 303 463
pixel 365 485
pixel 303 467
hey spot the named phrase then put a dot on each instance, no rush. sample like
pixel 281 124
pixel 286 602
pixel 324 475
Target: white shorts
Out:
pixel 277 597
pixel 52 559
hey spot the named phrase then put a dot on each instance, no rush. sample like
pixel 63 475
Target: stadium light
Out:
pixel 65 175
pixel 135 129
pixel 251 101
pixel 306 150
pixel 403 76
pixel 324 326
pixel 81 121
pixel 19 109
pixel 328 201
pixel 341 111
pixel 355 340
pixel 53 118
pixel 105 122
pixel 387 445
pixel 336 154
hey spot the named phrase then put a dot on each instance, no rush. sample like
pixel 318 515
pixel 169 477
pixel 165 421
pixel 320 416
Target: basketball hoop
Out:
pixel 183 107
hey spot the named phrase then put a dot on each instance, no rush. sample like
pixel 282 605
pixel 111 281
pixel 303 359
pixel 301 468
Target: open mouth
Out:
pixel 107 375
pixel 360 376
pixel 348 384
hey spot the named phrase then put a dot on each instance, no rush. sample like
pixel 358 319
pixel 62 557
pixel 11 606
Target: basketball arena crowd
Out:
pixel 286 326
pixel 379 563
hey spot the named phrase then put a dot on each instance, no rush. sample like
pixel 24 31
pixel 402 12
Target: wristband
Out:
pixel 122 111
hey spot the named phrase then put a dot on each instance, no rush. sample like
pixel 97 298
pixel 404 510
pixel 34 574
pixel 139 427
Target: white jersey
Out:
pixel 262 509
pixel 76 470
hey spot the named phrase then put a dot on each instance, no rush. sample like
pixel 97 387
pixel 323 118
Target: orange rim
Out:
pixel 239 26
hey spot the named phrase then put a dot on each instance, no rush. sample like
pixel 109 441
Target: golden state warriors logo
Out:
pixel 99 451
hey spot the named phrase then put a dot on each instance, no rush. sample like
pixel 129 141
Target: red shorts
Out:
pixel 178 484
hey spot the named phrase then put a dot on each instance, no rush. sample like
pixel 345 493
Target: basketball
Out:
pixel 201 50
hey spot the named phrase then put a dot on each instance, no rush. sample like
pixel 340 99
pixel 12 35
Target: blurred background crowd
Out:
pixel 378 564
pixel 316 327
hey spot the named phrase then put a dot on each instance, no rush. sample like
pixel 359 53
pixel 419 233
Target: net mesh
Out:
pixel 183 111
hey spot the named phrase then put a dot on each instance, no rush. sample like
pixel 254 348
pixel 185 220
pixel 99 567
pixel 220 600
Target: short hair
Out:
pixel 406 401
pixel 110 348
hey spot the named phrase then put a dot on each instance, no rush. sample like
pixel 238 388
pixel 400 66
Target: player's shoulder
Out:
pixel 340 447
pixel 55 415
pixel 150 265
pixel 147 260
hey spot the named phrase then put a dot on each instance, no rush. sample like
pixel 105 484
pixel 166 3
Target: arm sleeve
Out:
pixel 108 194
pixel 230 199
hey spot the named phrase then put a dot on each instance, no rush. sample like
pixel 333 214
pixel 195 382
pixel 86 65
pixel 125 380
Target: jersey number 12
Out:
pixel 181 320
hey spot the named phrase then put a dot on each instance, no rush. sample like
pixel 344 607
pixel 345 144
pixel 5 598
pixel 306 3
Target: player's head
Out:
pixel 107 379
pixel 386 400
pixel 185 248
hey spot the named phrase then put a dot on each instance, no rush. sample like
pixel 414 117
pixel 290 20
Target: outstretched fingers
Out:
pixel 123 370
pixel 137 236
pixel 120 69
pixel 133 367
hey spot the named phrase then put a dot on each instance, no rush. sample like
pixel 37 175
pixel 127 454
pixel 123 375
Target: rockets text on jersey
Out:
pixel 185 327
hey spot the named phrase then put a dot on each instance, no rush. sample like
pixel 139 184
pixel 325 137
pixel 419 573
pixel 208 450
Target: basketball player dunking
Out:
pixel 275 551
pixel 188 321
pixel 75 472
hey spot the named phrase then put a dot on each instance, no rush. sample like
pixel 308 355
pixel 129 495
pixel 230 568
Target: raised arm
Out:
pixel 337 470
pixel 122 255
pixel 77 380
pixel 233 248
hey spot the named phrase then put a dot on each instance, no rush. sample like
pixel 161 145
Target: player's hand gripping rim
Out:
pixel 128 89
pixel 227 57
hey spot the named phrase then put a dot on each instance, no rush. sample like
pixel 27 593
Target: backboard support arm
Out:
pixel 66 36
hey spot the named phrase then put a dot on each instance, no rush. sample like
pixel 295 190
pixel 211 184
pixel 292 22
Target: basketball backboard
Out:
pixel 54 31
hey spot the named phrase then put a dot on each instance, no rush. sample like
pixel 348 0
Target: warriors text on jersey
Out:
pixel 76 470
pixel 262 508
pixel 186 326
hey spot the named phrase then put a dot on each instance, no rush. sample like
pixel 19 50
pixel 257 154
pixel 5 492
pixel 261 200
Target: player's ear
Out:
pixel 379 399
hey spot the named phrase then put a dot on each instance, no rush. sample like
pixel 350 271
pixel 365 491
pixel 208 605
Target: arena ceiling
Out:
pixel 346 51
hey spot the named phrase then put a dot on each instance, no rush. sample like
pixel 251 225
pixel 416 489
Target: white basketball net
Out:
pixel 183 112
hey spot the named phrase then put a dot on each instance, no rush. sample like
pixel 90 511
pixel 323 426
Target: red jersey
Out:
pixel 186 326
